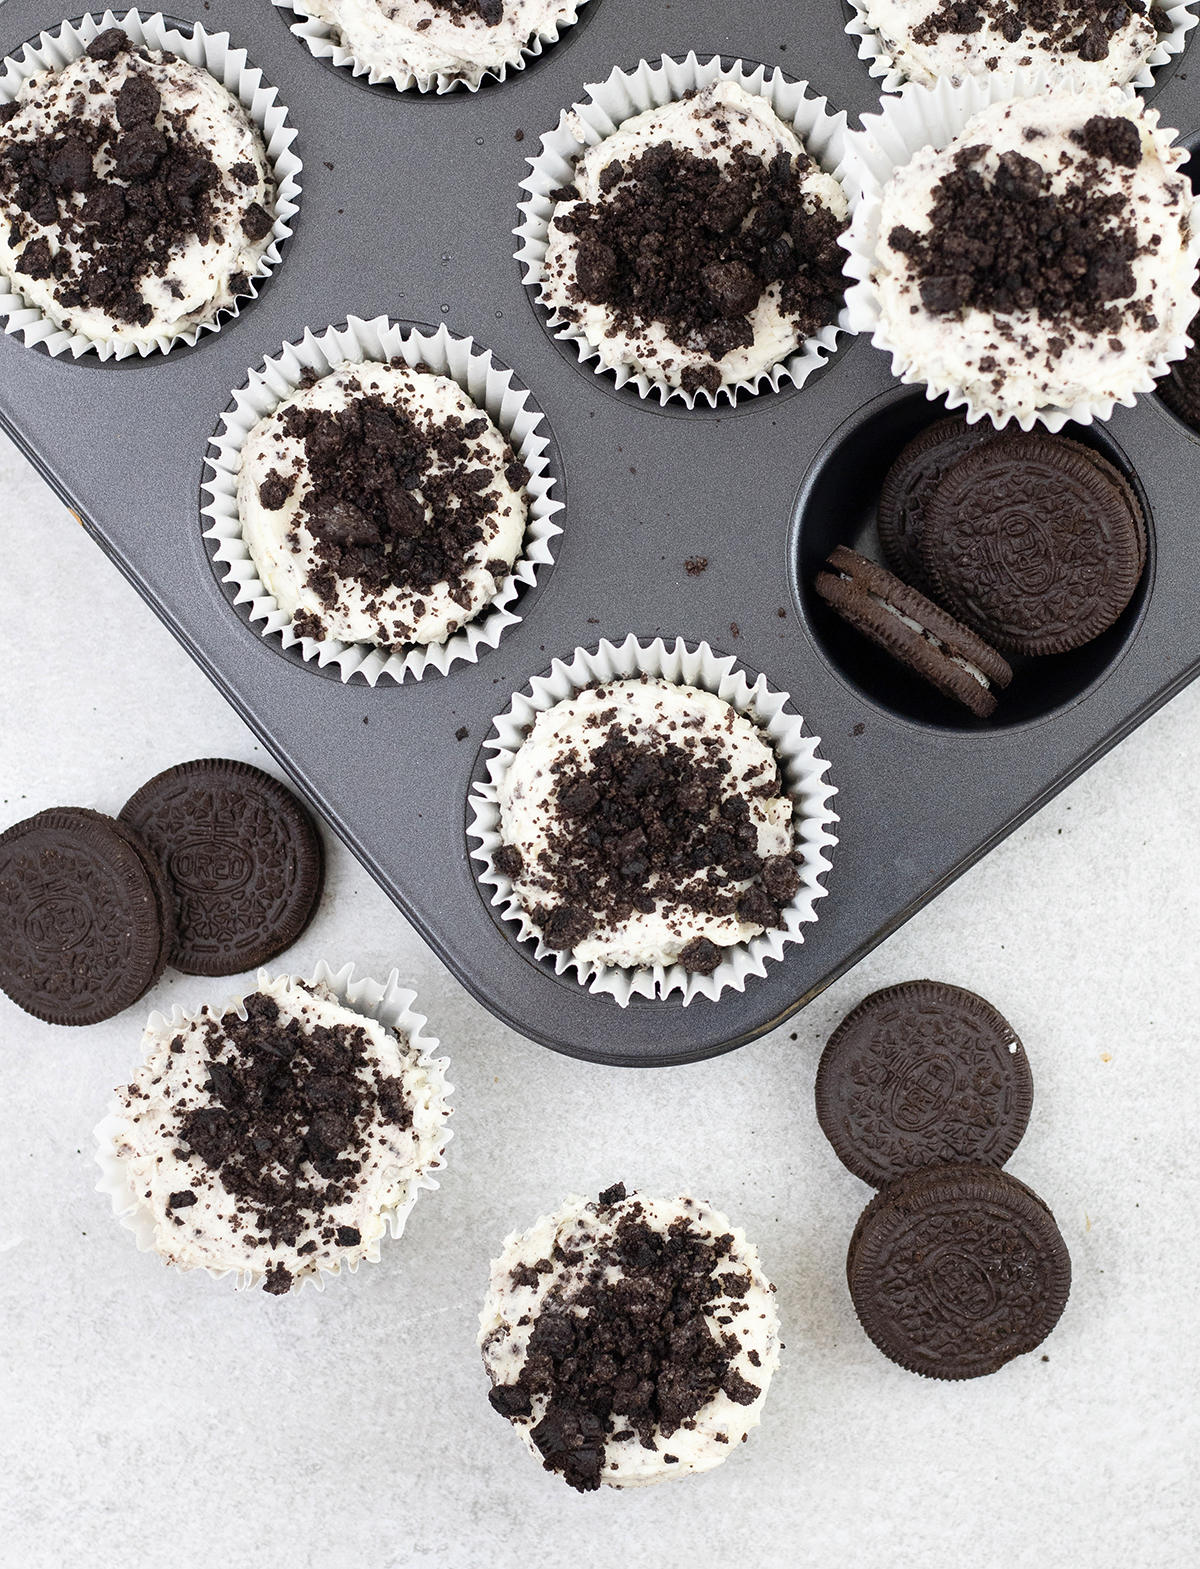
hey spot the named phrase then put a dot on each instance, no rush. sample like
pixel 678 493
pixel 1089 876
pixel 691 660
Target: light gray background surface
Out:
pixel 155 1419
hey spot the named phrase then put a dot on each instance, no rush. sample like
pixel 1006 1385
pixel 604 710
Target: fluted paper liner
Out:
pixel 324 41
pixel 489 387
pixel 627 93
pixel 211 52
pixel 799 764
pixel 881 63
pixel 932 117
pixel 389 1004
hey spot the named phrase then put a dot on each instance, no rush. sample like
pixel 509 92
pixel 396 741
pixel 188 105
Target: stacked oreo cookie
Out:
pixel 212 866
pixel 1001 546
pixel 954 1267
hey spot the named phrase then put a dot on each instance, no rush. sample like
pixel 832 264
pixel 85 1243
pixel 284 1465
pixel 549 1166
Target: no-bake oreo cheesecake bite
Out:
pixel 442 41
pixel 697 244
pixel 1096 43
pixel 645 823
pixel 381 506
pixel 135 195
pixel 1043 260
pixel 277 1137
pixel 629 1340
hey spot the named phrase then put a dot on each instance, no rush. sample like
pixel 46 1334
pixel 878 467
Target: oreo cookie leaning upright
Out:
pixel 922 1074
pixel 911 482
pixel 85 916
pixel 1036 542
pixel 243 858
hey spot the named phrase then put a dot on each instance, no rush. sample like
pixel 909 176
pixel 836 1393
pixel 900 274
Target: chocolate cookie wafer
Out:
pixel 956 1270
pixel 913 630
pixel 1034 542
pixel 910 482
pixel 85 918
pixel 1180 387
pixel 922 1074
pixel 243 858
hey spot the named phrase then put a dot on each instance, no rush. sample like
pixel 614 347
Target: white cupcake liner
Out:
pixel 484 383
pixel 627 93
pixel 389 1004
pixel 212 53
pixel 920 117
pixel 873 49
pixel 325 42
pixel 798 761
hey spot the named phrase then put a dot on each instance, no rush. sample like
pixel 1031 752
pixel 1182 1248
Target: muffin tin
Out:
pixel 408 207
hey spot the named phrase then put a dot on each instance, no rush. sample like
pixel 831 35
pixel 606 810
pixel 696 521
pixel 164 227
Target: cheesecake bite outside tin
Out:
pixel 410 201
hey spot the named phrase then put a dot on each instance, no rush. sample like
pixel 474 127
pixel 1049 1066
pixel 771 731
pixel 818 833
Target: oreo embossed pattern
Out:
pixel 243 857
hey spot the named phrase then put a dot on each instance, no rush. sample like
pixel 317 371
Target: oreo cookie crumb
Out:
pixel 1082 27
pixel 695 565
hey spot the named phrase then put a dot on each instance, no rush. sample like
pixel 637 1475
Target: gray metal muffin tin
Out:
pixel 407 207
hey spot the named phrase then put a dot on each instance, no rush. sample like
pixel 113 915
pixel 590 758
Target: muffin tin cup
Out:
pixel 488 386
pixel 625 94
pixel 324 40
pixel 875 50
pixel 922 117
pixel 389 1004
pixel 799 763
pixel 212 53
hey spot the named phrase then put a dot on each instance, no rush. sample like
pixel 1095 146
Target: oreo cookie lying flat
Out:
pixel 956 1270
pixel 1180 387
pixel 86 918
pixel 243 858
pixel 922 1074
pixel 913 630
pixel 909 484
pixel 1035 541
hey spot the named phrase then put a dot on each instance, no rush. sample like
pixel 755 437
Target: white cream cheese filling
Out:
pixel 720 118
pixel 647 710
pixel 510 1312
pixel 283 549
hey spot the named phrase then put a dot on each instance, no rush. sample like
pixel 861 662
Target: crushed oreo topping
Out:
pixel 286 1132
pixel 678 239
pixel 1082 27
pixel 161 187
pixel 637 821
pixel 1006 243
pixel 641 1360
pixel 395 501
pixel 489 12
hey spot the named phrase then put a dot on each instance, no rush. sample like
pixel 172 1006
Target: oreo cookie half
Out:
pixel 909 484
pixel 956 1270
pixel 243 859
pixel 1035 542
pixel 922 1074
pixel 85 917
pixel 913 630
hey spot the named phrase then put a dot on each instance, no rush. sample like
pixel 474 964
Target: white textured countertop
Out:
pixel 159 1421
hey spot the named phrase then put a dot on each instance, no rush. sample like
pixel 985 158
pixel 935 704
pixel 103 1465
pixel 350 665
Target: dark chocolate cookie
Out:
pixel 1030 541
pixel 956 1270
pixel 82 913
pixel 1180 387
pixel 884 609
pixel 910 482
pixel 922 1074
pixel 243 858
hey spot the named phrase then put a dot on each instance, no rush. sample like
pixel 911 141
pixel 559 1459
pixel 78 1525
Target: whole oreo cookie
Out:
pixel 1035 542
pixel 909 484
pixel 85 916
pixel 956 1270
pixel 242 856
pixel 915 631
pixel 922 1074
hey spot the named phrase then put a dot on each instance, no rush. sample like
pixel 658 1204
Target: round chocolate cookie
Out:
pixel 85 917
pixel 243 858
pixel 1031 540
pixel 922 1074
pixel 956 1270
pixel 914 630
pixel 1180 387
pixel 910 482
